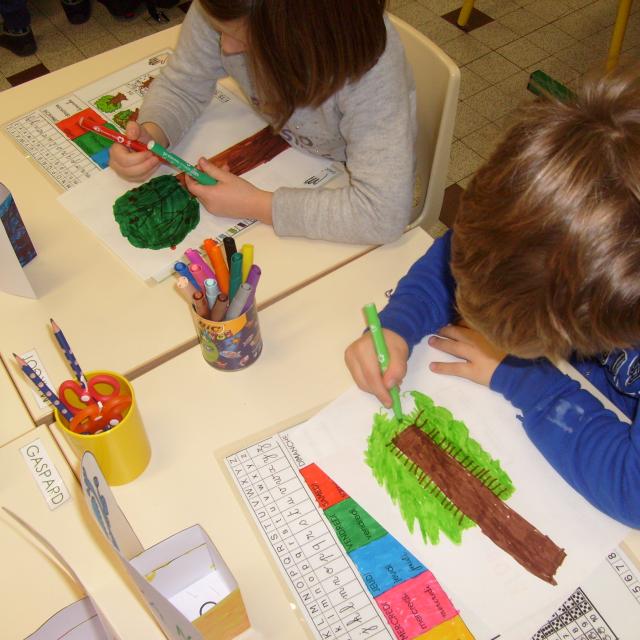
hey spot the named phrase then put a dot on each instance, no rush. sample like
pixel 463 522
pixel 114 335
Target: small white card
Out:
pixel 33 360
pixel 44 472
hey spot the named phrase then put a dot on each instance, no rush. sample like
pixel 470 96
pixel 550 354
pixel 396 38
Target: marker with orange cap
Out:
pixel 219 265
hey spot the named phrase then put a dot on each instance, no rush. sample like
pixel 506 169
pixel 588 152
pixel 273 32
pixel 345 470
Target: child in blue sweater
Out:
pixel 543 262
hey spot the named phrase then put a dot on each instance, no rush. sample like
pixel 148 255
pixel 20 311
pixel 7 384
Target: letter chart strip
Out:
pixel 351 578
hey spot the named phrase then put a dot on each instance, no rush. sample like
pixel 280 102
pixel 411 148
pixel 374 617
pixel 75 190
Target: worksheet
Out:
pixel 324 516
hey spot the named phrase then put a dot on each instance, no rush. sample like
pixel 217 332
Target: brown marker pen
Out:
pixel 219 308
pixel 200 304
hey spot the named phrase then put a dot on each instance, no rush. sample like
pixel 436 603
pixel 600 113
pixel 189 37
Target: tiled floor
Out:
pixel 563 38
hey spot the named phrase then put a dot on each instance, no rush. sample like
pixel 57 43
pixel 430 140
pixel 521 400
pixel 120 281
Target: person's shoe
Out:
pixel 19 41
pixel 122 9
pixel 77 11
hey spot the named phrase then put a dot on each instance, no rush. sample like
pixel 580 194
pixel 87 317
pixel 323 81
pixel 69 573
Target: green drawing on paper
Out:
pixel 157 214
pixel 429 508
pixel 109 103
pixel 122 117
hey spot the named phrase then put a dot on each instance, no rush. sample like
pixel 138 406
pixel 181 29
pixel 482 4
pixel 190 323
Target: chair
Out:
pixel 437 81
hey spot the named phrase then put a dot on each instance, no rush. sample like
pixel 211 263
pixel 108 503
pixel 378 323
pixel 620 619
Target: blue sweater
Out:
pixel 595 452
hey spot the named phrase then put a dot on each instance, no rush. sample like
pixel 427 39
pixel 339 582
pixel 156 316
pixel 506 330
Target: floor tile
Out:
pixel 11 64
pixel 470 83
pixel 550 38
pixel 522 21
pixel 515 85
pixel 464 49
pixel 496 8
pixel 439 31
pixel 394 4
pixel 441 6
pixel 467 120
pixel 494 35
pixel 581 57
pixel 464 161
pixel 548 10
pixel 61 58
pixel 522 53
pixel 492 103
pixel 94 47
pixel 484 140
pixel 555 68
pixel 577 24
pixel 493 67
pixel 414 13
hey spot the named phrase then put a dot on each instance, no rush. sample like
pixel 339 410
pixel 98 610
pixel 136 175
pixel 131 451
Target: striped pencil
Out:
pixel 41 385
pixel 68 353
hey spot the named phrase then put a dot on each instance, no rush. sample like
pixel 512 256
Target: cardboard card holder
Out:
pixel 184 580
pixel 190 573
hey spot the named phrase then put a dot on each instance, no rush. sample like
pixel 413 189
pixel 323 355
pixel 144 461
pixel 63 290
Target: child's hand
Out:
pixel 482 358
pixel 136 166
pixel 232 196
pixel 362 362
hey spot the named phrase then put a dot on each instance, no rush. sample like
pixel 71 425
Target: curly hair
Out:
pixel 546 243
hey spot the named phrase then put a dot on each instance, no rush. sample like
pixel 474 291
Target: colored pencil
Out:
pixel 68 353
pixel 42 386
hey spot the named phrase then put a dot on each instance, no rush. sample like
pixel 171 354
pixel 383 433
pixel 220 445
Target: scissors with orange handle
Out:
pixel 92 409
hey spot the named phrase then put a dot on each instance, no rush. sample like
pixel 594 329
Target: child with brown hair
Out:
pixel 543 261
pixel 332 79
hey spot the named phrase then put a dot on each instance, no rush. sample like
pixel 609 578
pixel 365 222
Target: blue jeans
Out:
pixel 15 14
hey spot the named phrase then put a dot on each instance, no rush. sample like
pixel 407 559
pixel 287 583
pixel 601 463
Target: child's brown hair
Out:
pixel 302 51
pixel 546 244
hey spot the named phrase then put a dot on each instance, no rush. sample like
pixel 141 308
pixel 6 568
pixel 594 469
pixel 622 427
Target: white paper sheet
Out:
pixel 225 122
pixel 492 591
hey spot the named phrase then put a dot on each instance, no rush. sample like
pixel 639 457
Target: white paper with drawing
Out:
pixel 479 576
pixel 225 122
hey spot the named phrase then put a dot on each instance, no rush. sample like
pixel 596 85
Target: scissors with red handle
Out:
pixel 92 409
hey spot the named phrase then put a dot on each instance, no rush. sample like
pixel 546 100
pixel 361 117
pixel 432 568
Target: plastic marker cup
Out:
pixel 179 163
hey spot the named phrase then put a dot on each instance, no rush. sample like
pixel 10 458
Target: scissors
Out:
pixel 93 410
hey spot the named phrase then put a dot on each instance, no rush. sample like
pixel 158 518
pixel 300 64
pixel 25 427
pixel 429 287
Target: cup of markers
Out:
pixel 222 302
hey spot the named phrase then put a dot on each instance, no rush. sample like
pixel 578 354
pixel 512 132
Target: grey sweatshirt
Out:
pixel 369 125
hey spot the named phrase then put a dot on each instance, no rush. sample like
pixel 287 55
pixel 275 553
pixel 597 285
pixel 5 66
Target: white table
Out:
pixel 112 319
pixel 14 417
pixel 191 411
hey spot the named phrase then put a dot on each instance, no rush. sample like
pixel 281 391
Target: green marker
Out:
pixel 373 321
pixel 179 163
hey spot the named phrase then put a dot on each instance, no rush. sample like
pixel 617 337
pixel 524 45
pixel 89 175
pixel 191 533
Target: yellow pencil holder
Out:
pixel 123 452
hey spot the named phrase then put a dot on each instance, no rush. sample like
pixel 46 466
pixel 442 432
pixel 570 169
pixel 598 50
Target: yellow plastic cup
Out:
pixel 123 452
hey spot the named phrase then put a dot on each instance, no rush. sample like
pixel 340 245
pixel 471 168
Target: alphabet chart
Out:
pixel 353 580
pixel 52 137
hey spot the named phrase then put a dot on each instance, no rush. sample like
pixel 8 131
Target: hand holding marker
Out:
pixel 110 134
pixel 179 163
pixel 375 329
pixel 153 146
